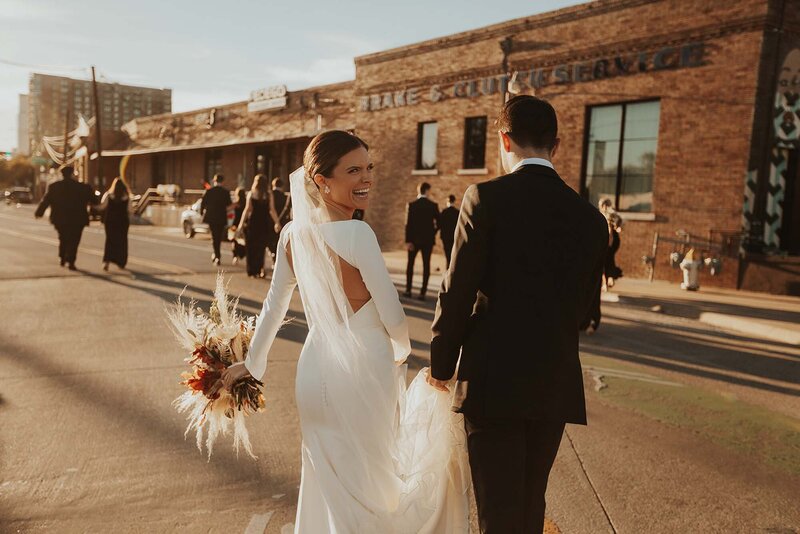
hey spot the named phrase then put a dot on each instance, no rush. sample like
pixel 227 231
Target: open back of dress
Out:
pixel 377 457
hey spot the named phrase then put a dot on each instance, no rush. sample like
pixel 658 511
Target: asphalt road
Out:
pixel 90 442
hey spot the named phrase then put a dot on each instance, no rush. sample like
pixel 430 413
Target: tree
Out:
pixel 18 171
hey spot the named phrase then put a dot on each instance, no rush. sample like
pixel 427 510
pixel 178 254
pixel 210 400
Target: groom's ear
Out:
pixel 505 141
pixel 555 147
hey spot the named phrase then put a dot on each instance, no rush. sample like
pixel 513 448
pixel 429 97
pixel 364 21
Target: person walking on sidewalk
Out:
pixel 508 314
pixel 214 209
pixel 258 225
pixel 283 210
pixel 116 222
pixel 68 201
pixel 447 227
pixel 611 271
pixel 239 250
pixel 422 222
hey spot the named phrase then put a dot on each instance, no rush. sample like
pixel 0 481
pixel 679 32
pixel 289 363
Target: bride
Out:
pixel 377 457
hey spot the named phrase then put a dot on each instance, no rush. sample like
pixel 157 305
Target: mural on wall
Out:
pixel 750 186
pixel 786 125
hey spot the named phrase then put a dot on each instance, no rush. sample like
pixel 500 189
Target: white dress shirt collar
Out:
pixel 421 196
pixel 533 161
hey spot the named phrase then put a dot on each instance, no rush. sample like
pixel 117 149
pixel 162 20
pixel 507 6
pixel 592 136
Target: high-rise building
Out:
pixel 49 96
pixel 23 143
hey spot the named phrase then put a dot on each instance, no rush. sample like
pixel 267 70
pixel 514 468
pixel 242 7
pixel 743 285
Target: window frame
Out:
pixel 420 127
pixel 466 142
pixel 587 123
pixel 210 155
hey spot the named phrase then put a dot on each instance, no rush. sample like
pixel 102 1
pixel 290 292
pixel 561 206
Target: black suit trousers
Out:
pixel 426 267
pixel 69 237
pixel 448 251
pixel 510 460
pixel 217 235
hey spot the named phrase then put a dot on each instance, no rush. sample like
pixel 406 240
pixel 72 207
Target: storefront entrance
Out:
pixel 790 229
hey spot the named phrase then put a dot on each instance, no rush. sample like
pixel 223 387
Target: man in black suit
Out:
pixel 447 226
pixel 528 252
pixel 422 218
pixel 68 201
pixel 283 203
pixel 214 209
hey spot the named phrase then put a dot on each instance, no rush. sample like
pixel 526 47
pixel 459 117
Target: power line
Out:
pixel 45 67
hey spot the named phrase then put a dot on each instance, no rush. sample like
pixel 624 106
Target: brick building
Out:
pixel 668 107
pixel 684 112
pixel 266 134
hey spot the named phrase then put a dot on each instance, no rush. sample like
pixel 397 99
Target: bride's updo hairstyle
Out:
pixel 325 151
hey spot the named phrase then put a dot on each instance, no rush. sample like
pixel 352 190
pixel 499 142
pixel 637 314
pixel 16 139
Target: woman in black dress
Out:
pixel 116 222
pixel 258 224
pixel 611 270
pixel 239 250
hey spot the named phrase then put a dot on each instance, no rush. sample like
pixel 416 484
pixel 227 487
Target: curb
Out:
pixel 753 327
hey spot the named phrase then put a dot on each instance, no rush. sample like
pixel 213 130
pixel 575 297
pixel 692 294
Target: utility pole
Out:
pixel 98 129
pixel 66 122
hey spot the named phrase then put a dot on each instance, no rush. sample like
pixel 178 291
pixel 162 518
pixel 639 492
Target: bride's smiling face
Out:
pixel 349 184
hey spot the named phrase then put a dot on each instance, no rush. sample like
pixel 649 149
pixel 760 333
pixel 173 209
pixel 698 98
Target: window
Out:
pixel 426 145
pixel 213 163
pixel 475 143
pixel 621 154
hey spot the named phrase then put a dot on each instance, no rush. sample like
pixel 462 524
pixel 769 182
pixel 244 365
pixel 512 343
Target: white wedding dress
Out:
pixel 377 457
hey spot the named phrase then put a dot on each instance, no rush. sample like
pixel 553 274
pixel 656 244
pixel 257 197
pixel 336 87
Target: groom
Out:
pixel 528 250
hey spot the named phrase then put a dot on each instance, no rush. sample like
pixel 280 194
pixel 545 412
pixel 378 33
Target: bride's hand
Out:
pixel 435 383
pixel 229 378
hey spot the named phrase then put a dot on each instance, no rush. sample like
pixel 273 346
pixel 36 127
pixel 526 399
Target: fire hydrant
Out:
pixel 691 271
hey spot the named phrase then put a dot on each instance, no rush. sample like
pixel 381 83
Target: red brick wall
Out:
pixel 705 121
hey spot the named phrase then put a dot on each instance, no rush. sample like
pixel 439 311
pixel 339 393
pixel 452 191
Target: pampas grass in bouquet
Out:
pixel 215 340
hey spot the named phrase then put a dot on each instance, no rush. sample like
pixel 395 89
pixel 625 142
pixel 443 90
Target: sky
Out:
pixel 212 52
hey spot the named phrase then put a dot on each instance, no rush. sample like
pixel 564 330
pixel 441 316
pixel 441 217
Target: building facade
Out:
pixel 51 99
pixel 23 145
pixel 685 113
pixel 266 134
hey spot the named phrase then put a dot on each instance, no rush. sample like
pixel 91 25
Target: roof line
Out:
pixel 501 29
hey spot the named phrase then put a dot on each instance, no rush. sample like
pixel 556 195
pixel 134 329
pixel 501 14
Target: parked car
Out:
pixel 192 221
pixel 18 195
pixel 95 213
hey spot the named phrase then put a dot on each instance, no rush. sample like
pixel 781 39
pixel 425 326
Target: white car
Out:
pixel 192 221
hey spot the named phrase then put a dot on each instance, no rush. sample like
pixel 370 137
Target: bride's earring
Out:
pixel 327 190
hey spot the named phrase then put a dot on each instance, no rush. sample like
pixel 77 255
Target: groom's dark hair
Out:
pixel 529 121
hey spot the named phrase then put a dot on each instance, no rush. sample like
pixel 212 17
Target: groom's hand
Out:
pixel 435 383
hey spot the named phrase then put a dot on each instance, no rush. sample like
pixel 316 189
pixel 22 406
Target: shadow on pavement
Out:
pixel 293 331
pixel 115 403
pixel 702 353
pixel 691 308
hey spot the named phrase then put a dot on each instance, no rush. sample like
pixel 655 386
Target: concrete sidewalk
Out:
pixel 760 315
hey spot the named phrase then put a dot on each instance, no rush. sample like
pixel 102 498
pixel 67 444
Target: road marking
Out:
pixel 599 372
pixel 174 269
pixel 258 523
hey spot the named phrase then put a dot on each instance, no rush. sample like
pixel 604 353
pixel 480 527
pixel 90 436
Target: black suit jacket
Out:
pixel 67 200
pixel 283 206
pixel 214 206
pixel 527 255
pixel 422 218
pixel 447 224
